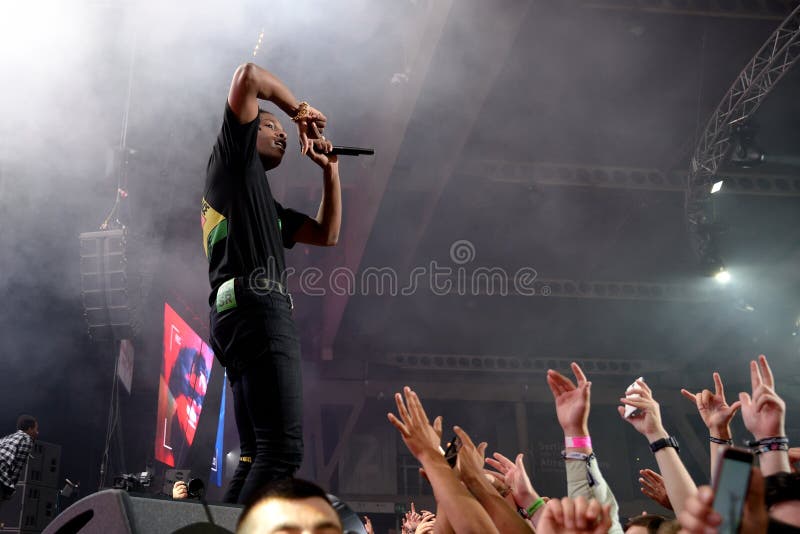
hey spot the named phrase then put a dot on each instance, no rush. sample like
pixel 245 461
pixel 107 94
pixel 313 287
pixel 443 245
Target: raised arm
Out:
pixel 464 512
pixel 573 403
pixel 251 82
pixel 470 466
pixel 515 477
pixel 717 415
pixel 677 480
pixel 764 416
pixel 323 230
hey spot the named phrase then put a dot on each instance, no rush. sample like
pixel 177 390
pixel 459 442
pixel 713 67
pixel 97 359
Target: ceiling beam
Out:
pixel 738 9
pixel 739 181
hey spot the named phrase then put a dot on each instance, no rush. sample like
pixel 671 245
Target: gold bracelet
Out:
pixel 302 111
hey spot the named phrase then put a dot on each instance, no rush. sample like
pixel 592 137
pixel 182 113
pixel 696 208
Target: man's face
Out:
pixel 33 432
pixel 271 142
pixel 283 516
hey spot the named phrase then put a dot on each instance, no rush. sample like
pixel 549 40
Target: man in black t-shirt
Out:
pixel 244 233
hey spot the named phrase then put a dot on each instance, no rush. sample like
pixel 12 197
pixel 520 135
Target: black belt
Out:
pixel 225 295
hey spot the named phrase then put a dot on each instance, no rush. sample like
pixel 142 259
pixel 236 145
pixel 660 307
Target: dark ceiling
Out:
pixel 445 90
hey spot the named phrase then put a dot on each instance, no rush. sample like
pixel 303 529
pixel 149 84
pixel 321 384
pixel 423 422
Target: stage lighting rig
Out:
pixel 745 152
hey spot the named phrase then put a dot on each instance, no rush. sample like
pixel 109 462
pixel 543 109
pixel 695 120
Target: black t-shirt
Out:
pixel 244 228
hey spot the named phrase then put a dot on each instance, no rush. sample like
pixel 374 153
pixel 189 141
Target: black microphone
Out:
pixel 196 488
pixel 350 151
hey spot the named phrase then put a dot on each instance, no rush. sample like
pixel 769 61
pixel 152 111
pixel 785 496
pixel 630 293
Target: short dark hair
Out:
pixel 262 110
pixel 25 422
pixel 289 489
pixel 651 521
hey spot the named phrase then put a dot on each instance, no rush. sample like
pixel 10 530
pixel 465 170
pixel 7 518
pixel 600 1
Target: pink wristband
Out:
pixel 578 442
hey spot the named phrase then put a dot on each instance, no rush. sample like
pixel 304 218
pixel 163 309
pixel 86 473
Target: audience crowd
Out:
pixel 493 494
pixel 479 494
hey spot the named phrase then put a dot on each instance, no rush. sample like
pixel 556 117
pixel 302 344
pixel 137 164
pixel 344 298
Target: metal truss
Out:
pixel 608 177
pixel 756 80
pixel 596 289
pixel 745 9
pixel 521 364
pixel 628 290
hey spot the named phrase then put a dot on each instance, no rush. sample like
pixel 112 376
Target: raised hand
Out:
pixel 653 486
pixel 572 401
pixel 514 476
pixel 471 458
pixel 574 516
pixel 699 517
pixel 411 520
pixel 368 525
pixel 310 123
pixel 427 523
pixel 318 151
pixel 648 419
pixel 714 409
pixel 764 413
pixel 419 436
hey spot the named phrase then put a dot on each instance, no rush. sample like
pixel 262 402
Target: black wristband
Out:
pixel 720 441
pixel 659 444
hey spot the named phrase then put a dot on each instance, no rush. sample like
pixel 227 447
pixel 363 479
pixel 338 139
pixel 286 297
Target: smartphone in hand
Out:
pixel 731 483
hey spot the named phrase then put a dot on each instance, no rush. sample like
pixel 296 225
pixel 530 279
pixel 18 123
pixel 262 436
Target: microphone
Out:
pixel 350 151
pixel 196 488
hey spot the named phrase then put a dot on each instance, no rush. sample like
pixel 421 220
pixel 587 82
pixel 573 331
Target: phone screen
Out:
pixel 733 480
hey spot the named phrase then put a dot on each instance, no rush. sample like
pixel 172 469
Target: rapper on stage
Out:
pixel 244 233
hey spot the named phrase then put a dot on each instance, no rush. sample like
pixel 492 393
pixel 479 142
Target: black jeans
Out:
pixel 258 344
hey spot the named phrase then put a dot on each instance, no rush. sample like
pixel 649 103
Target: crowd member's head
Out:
pixel 290 505
pixel 670 526
pixel 644 524
pixel 29 425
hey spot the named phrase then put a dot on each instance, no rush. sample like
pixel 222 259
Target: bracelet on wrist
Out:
pixel 777 443
pixel 578 442
pixel 663 443
pixel 720 441
pixel 538 503
pixel 302 111
pixel 577 456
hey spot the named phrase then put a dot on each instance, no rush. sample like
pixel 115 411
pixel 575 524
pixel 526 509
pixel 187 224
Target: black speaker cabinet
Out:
pixel 114 511
pixel 30 509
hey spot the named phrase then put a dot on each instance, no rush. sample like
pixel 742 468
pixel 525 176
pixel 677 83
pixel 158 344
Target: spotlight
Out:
pixel 717 187
pixel 722 276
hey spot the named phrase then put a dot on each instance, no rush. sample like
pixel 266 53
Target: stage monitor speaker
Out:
pixel 114 511
pixel 31 508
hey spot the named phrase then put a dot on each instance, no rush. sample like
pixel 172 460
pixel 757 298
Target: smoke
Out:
pixel 554 84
